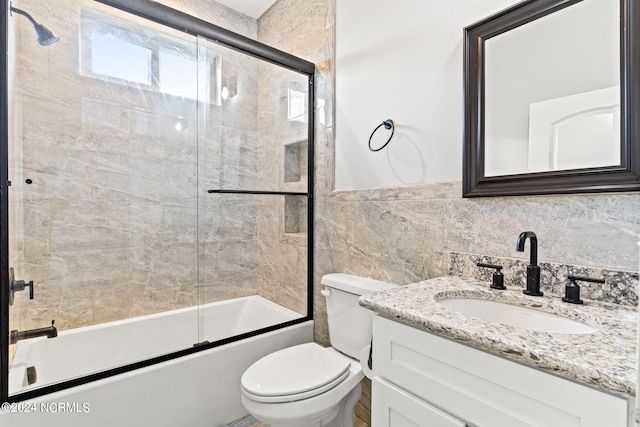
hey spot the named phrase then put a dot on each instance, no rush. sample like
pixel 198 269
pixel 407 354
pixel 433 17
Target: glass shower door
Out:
pixel 161 197
pixel 253 157
pixel 103 202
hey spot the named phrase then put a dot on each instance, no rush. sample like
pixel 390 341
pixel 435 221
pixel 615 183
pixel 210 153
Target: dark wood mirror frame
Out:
pixel 625 177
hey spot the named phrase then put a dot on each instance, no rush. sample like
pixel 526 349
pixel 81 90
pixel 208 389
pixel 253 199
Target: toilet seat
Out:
pixel 294 373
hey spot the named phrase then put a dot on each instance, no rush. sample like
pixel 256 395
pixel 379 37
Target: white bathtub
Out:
pixel 201 389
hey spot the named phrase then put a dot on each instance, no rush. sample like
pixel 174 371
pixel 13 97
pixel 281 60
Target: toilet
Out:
pixel 309 385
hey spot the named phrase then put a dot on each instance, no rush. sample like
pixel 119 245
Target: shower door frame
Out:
pixel 4 203
pixel 181 21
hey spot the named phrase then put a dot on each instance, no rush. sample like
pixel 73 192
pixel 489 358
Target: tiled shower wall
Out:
pixel 302 28
pixel 99 150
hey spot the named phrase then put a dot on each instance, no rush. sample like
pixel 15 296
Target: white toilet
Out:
pixel 309 385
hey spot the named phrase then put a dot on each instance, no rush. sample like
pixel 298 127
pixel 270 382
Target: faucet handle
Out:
pixel 572 290
pixel 498 277
pixel 18 285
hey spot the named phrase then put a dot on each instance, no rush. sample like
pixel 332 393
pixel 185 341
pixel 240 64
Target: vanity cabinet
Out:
pixel 393 407
pixel 421 379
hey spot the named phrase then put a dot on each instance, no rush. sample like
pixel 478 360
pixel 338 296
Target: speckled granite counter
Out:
pixel 605 359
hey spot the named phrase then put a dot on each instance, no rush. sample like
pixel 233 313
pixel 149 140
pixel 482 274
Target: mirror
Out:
pixel 550 102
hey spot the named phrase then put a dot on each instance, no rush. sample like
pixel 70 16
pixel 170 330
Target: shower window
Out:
pixel 178 75
pixel 114 57
pixel 119 51
pixel 297 105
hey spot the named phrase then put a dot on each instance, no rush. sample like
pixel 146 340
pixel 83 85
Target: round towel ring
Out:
pixel 388 124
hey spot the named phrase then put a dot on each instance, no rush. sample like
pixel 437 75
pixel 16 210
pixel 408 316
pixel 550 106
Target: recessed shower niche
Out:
pixel 295 215
pixel 296 159
pixel 295 162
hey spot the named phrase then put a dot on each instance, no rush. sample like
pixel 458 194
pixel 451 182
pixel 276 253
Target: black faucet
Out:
pixel 533 270
pixel 49 332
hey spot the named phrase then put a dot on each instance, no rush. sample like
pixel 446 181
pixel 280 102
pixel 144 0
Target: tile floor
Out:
pixel 249 421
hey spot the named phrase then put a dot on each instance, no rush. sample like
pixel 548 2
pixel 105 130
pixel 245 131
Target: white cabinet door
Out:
pixel 484 389
pixel 394 407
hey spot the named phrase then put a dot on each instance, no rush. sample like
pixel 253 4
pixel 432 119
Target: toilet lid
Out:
pixel 295 373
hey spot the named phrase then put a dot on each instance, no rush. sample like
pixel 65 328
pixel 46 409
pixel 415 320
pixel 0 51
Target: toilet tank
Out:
pixel 350 326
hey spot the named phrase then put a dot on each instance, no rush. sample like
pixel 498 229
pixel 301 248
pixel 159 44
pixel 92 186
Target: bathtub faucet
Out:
pixel 50 332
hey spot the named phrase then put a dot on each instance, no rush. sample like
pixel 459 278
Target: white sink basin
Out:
pixel 513 315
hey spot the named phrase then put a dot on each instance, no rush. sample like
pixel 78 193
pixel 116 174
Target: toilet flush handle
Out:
pixel 326 292
pixel 366 362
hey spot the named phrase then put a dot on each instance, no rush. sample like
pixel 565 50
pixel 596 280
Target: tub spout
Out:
pixel 49 332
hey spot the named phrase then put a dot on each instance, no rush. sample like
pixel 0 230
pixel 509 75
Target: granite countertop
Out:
pixel 605 359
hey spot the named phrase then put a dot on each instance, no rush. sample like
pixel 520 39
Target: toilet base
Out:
pixel 340 415
pixel 344 418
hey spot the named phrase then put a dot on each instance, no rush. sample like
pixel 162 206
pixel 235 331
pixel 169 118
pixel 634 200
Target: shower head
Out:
pixel 46 37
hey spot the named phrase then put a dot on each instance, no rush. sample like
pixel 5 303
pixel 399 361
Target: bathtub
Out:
pixel 201 389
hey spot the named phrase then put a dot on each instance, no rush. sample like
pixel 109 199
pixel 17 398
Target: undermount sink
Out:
pixel 517 316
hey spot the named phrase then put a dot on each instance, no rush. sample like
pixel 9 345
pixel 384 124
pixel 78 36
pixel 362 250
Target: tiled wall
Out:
pixel 404 235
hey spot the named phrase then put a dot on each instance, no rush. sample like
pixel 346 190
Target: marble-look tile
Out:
pixel 66 270
pixel 424 236
pixel 161 224
pixel 66 282
pixel 112 178
pixel 599 230
pixel 66 122
pixel 238 163
pixel 30 72
pixel 163 266
pixel 228 217
pixel 360 264
pixel 407 234
pixel 370 231
pixel 163 179
pixel 242 71
pixel 282 278
pixel 111 306
pixel 223 260
pixel 56 174
pixel 216 13
pixel 331 227
pixel 229 288
pixel 89 225
pixel 31 227
pixel 320 325
pixel 163 136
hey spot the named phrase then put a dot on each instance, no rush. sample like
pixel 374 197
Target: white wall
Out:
pixel 401 60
